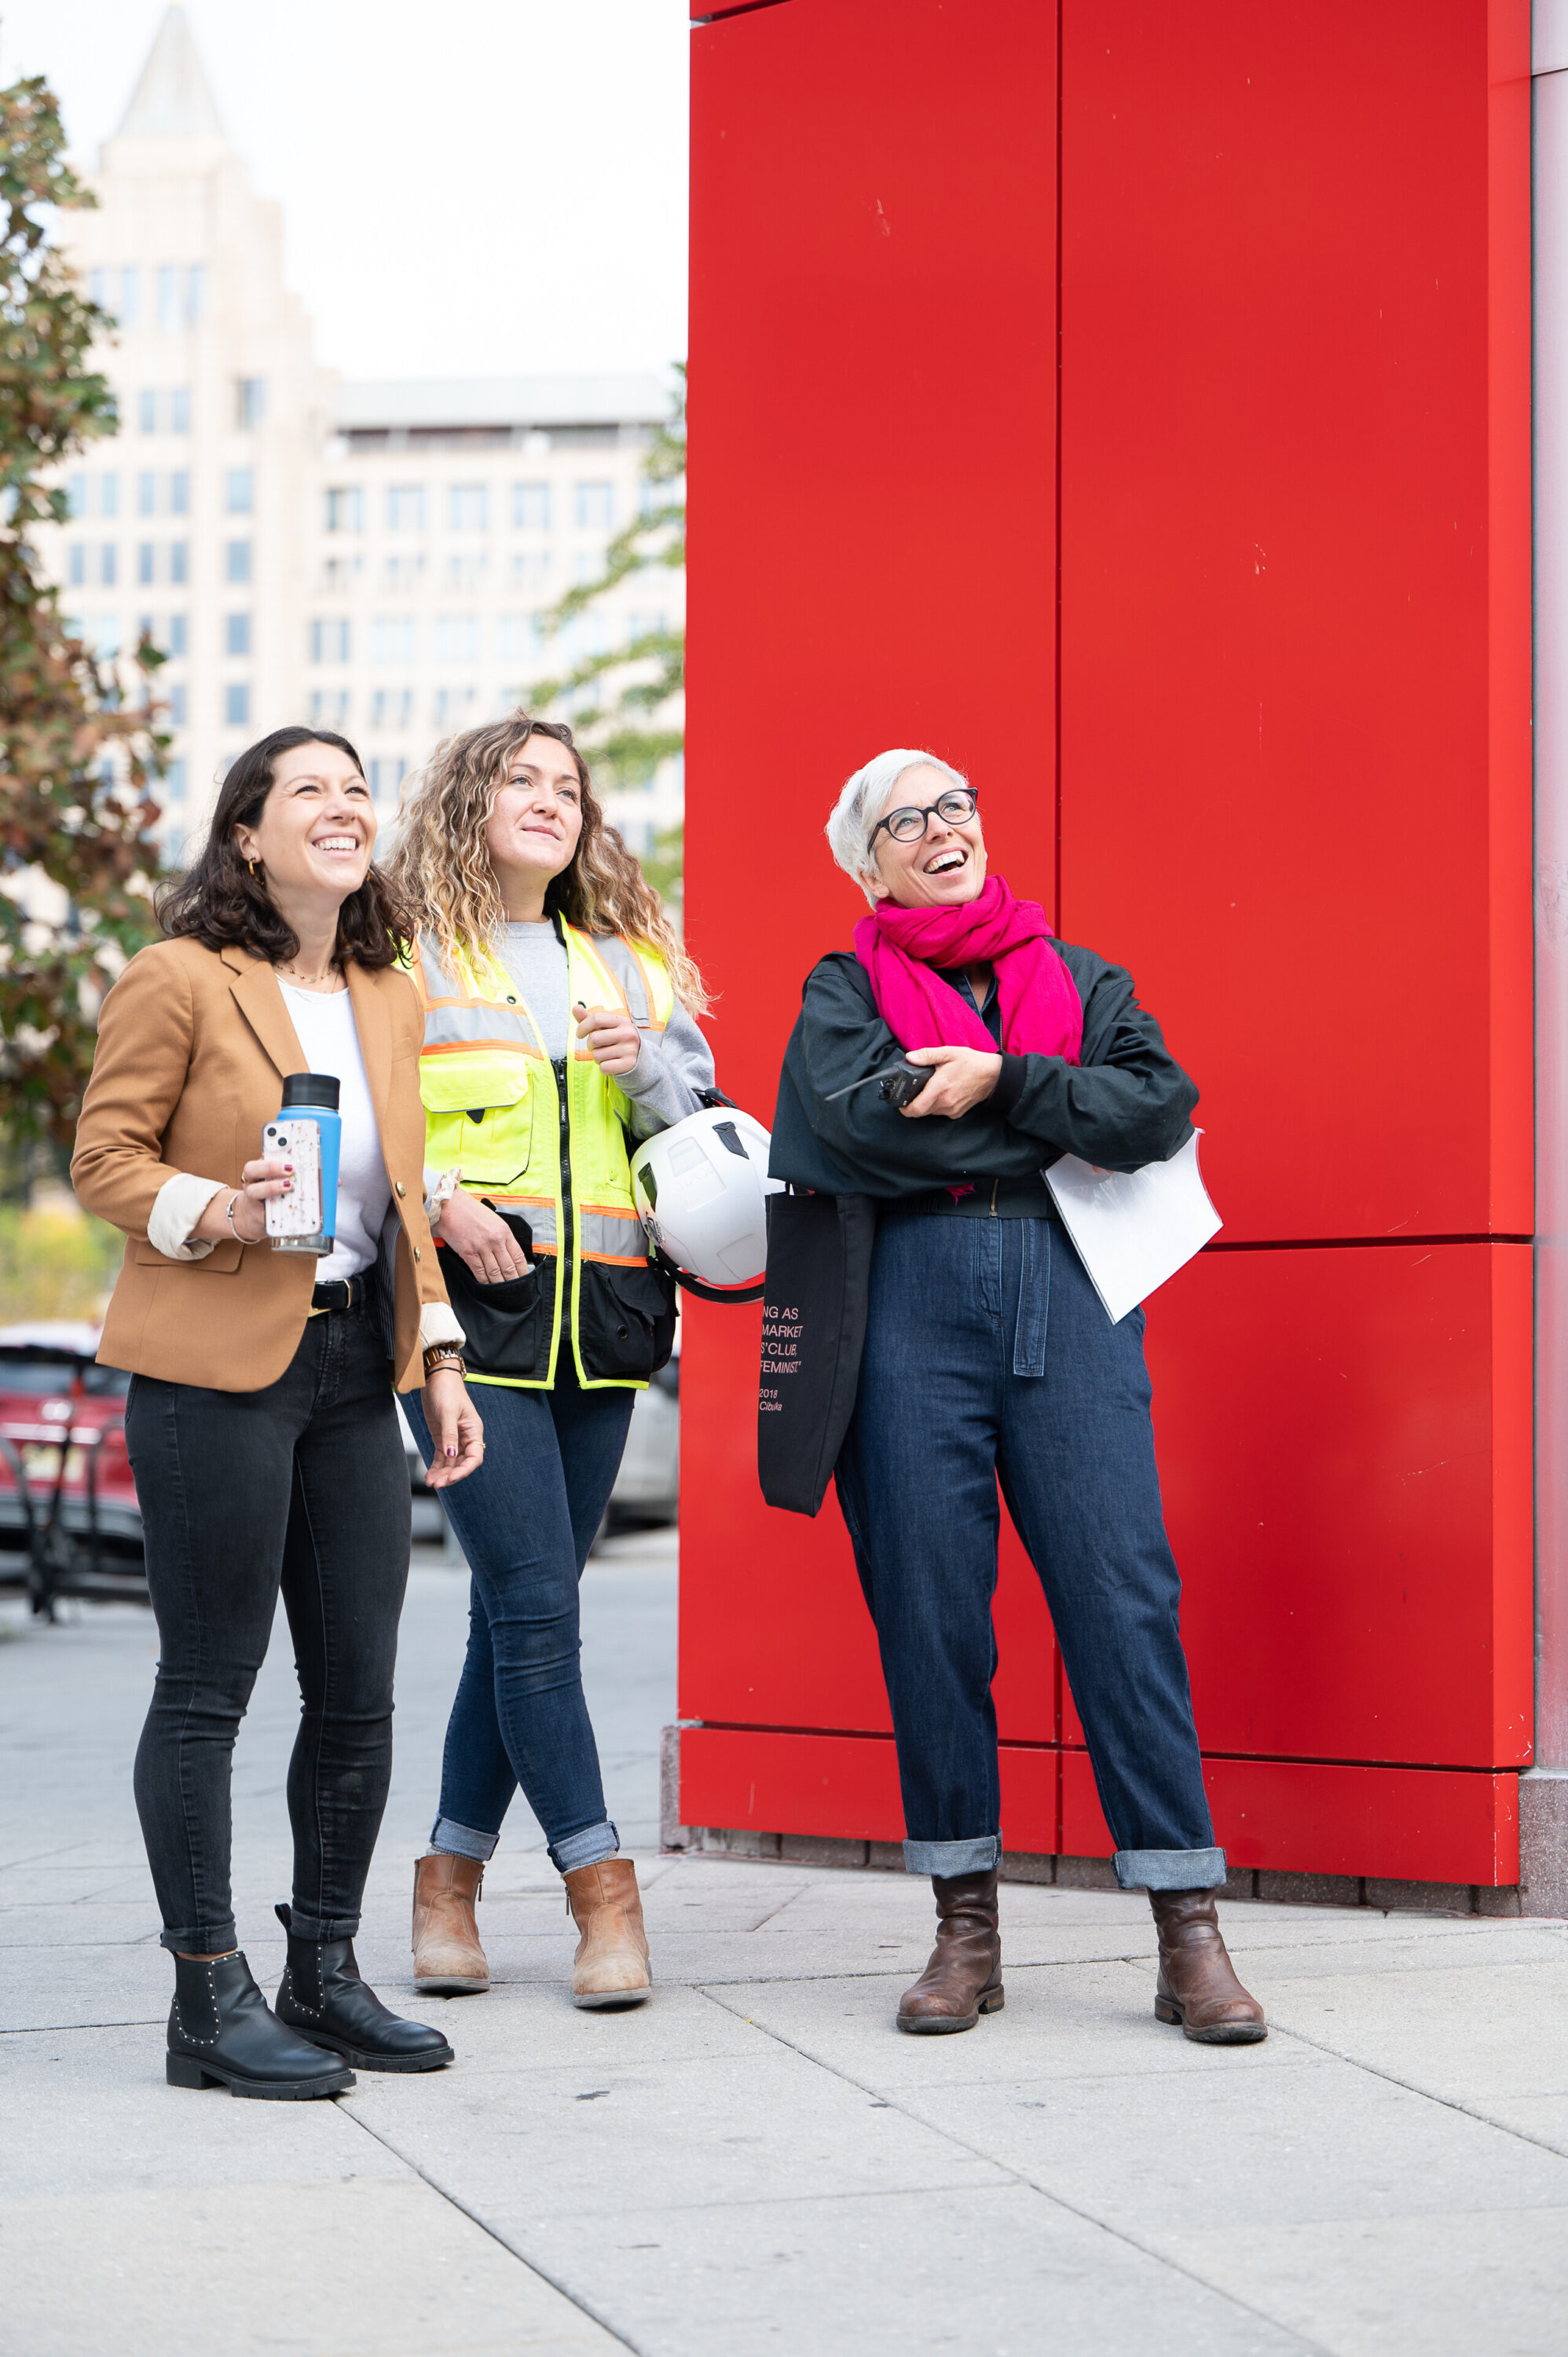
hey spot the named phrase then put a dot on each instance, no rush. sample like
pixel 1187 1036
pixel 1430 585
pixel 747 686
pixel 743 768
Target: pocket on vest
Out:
pixel 506 1327
pixel 626 1319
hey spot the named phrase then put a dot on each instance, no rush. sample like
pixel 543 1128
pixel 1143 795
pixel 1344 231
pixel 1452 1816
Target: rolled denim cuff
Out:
pixel 321 1927
pixel 976 1856
pixel 202 1938
pixel 462 1841
pixel 1170 1870
pixel 586 1848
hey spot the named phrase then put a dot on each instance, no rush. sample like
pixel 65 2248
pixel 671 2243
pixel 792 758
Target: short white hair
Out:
pixel 863 803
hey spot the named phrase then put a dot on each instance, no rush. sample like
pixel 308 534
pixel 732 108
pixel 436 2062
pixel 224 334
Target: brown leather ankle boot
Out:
pixel 447 1958
pixel 610 1968
pixel 963 1979
pixel 1197 1985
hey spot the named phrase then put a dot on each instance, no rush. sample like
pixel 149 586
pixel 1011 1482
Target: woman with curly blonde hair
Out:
pixel 558 1024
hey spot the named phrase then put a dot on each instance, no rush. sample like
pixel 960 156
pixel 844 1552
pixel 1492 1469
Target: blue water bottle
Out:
pixel 307 1133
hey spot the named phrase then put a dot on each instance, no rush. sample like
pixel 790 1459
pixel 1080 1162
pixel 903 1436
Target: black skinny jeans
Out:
pixel 303 1482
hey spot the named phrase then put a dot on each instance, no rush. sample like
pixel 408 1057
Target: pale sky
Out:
pixel 509 175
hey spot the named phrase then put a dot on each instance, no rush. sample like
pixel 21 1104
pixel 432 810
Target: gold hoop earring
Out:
pixel 253 864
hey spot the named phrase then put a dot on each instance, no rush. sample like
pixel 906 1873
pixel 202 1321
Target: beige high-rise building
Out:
pixel 373 558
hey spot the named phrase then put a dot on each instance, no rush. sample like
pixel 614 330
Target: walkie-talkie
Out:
pixel 898 1085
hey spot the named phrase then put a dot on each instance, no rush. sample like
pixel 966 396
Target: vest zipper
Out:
pixel 561 1068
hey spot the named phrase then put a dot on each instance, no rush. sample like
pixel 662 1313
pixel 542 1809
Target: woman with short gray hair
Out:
pixel 988 1358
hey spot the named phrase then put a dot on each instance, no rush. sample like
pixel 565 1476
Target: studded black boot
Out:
pixel 221 2034
pixel 322 1998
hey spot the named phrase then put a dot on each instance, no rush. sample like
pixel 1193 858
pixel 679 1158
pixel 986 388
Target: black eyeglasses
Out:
pixel 908 824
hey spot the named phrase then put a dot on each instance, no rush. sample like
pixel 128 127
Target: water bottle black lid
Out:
pixel 311 1089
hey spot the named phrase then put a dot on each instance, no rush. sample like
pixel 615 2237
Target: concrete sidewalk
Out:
pixel 755 2161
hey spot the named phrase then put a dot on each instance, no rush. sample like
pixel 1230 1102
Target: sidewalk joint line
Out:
pixel 582 2305
pixel 1117 2234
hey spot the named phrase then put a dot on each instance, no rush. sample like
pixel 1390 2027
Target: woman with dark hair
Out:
pixel 559 1012
pixel 261 1421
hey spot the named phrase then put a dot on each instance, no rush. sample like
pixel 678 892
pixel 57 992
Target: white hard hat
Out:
pixel 701 1187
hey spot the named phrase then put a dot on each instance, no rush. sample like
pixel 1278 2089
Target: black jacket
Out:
pixel 1127 1103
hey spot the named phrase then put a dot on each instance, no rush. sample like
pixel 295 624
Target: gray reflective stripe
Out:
pixel 605 1235
pixel 541 1217
pixel 461 1026
pixel 623 963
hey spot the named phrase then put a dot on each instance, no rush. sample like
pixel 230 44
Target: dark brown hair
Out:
pixel 220 904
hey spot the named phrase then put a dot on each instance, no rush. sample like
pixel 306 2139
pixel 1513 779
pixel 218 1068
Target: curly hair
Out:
pixel 442 873
pixel 220 904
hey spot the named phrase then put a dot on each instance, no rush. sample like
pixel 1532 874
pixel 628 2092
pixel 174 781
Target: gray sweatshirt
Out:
pixel 663 1082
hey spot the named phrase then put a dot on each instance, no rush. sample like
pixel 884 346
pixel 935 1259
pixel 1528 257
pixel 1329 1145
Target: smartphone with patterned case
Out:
pixel 298 1214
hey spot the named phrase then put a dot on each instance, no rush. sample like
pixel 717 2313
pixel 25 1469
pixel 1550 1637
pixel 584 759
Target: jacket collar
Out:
pixel 255 993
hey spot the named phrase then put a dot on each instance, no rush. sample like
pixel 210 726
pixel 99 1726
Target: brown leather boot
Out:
pixel 610 1968
pixel 1197 1985
pixel 963 1979
pixel 447 1958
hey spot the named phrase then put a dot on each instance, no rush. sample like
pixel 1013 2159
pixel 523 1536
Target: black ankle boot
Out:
pixel 322 1997
pixel 221 2034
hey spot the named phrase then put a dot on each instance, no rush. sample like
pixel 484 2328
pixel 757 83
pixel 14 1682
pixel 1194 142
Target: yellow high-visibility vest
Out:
pixel 493 1106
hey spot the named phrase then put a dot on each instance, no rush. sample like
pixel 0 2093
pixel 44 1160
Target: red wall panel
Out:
pixel 1292 562
pixel 1295 716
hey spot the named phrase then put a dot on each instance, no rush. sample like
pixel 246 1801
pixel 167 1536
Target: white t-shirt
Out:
pixel 325 1028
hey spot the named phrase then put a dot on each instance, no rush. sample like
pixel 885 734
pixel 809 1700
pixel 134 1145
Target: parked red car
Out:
pixel 69 1523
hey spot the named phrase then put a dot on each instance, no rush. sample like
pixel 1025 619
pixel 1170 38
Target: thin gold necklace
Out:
pixel 310 981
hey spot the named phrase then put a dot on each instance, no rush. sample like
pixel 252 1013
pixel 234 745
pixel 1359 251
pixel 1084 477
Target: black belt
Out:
pixel 1000 1199
pixel 343 1293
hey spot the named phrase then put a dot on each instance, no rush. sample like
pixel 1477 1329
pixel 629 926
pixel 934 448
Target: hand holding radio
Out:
pixel 961 1079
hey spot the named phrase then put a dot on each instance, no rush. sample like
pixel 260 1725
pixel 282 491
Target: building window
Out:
pixel 181 296
pixel 530 507
pixel 239 491
pixel 595 506
pixel 147 562
pixel 179 410
pixel 386 776
pixel 146 494
pixel 466 570
pixel 453 705
pixel 404 572
pixel 329 640
pixel 237 703
pixel 392 708
pixel 250 401
pixel 148 410
pixel 346 510
pixel 456 638
pixel 178 561
pixel 180 493
pixel 169 293
pixel 467 506
pixel 392 642
pixel 236 560
pixel 109 564
pixel 517 642
pixel 174 782
pixel 177 635
pixel 103 636
pixel 118 292
pixel 236 634
pixel 406 507
pixel 76 564
pixel 329 707
pixel 76 494
pixel 109 495
pixel 177 705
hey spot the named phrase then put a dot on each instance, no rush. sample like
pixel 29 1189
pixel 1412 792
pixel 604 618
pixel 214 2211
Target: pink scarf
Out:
pixel 901 949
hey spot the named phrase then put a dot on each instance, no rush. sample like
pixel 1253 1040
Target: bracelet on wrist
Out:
pixel 443 1354
pixel 229 1215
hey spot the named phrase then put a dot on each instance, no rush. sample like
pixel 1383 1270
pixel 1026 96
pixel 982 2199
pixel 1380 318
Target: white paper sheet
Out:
pixel 1134 1229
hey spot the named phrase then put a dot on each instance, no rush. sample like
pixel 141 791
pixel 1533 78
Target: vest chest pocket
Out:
pixel 477 1114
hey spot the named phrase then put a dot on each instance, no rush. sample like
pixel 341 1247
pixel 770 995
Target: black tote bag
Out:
pixel 813 1326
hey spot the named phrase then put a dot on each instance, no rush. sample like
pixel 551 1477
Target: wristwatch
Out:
pixel 444 1354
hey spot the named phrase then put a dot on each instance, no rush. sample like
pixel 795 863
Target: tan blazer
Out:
pixel 193 1047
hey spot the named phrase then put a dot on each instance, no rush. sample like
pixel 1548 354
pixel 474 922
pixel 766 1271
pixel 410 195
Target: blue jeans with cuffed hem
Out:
pixel 525 1522
pixel 989 1359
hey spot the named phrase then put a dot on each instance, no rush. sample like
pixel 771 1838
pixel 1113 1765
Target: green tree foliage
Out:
pixel 77 855
pixel 619 702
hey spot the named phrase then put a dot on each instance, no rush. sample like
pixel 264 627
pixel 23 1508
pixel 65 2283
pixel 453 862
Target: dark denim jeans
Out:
pixel 303 1483
pixel 525 1522
pixel 988 1357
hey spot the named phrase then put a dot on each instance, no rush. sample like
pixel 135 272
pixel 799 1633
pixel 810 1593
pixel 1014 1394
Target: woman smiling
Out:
pixel 260 1420
pixel 988 1360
